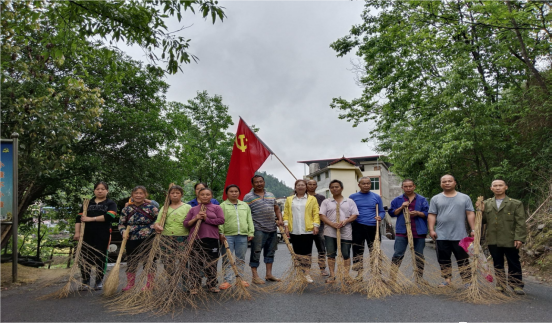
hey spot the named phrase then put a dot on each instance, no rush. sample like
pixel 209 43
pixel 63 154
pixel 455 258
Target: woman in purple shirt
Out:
pixel 206 245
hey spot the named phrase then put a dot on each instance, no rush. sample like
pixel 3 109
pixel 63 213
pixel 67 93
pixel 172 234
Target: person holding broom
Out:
pixel 417 207
pixel 140 217
pixel 237 231
pixel 505 233
pixel 174 229
pixel 101 213
pixel 364 227
pixel 301 223
pixel 446 225
pixel 319 239
pixel 348 214
pixel 206 244
pixel 265 211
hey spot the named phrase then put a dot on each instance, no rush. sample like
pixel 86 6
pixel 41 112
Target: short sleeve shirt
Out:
pixel 347 209
pixel 451 215
pixel 263 210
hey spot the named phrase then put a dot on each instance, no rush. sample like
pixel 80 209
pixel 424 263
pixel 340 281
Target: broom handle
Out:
pixel 338 233
pixel 197 227
pixel 477 234
pixel 123 244
pixel 85 211
pixel 231 259
pixel 286 240
pixel 377 235
pixel 407 218
pixel 166 207
pixel 81 238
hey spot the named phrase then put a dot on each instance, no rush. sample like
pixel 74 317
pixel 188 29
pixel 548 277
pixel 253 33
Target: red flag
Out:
pixel 248 154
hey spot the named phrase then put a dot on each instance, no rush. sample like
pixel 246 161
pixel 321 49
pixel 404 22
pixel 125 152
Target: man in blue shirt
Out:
pixel 364 227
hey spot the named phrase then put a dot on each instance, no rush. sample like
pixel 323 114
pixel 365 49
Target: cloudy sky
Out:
pixel 272 64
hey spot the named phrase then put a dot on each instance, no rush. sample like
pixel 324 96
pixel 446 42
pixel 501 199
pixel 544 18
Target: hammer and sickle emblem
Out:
pixel 6 150
pixel 241 146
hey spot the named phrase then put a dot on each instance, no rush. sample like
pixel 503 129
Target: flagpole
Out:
pixel 285 166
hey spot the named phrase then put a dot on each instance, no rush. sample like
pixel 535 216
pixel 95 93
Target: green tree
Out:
pixel 204 153
pixel 452 87
pixel 275 186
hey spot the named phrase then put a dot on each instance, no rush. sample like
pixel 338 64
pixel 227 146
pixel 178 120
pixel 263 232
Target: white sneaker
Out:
pixel 309 279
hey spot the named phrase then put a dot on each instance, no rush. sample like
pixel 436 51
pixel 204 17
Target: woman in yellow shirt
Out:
pixel 301 223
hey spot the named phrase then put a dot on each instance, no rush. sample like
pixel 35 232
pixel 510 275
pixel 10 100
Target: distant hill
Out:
pixel 275 186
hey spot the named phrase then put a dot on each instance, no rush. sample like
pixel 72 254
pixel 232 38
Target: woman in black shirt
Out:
pixel 100 214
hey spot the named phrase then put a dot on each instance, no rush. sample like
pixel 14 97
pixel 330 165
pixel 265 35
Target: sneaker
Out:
pixel 99 286
pixel 224 286
pixel 519 291
pixel 499 289
pixel 308 279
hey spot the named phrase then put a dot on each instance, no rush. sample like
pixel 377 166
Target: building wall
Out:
pixel 348 178
pixel 322 185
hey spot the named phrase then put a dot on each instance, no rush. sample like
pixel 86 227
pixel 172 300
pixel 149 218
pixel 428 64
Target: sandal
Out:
pixel 224 286
pixel 245 283
pixel 257 280
pixel 324 273
pixel 272 278
pixel 214 289
pixel 330 280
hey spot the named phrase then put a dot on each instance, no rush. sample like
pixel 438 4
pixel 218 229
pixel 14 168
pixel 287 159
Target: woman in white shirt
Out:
pixel 301 223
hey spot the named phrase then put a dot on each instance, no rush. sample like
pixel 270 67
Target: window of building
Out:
pixel 326 174
pixel 318 178
pixel 327 193
pixel 375 183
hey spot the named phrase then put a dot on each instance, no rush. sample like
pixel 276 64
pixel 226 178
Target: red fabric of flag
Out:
pixel 248 154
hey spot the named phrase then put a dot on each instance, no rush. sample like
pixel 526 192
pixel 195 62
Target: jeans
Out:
pixel 401 244
pixel 320 245
pixel 267 241
pixel 238 245
pixel 332 246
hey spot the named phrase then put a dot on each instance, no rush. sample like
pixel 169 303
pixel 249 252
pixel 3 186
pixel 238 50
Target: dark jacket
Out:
pixel 506 224
pixel 421 205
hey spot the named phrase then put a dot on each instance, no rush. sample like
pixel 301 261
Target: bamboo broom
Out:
pixel 112 282
pixel 342 273
pixel 66 289
pixel 407 218
pixel 239 292
pixel 294 280
pixel 376 286
pixel 480 289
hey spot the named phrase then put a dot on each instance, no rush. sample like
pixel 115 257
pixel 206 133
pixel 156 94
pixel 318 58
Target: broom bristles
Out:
pixel 80 261
pixel 112 282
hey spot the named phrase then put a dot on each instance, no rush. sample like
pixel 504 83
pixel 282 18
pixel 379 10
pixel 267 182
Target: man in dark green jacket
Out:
pixel 505 233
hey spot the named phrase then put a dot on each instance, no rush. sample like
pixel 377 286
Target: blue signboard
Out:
pixel 6 180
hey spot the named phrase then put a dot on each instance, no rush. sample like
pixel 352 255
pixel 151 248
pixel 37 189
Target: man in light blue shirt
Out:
pixel 364 227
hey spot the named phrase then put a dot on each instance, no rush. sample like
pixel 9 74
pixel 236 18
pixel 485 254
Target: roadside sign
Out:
pixel 6 181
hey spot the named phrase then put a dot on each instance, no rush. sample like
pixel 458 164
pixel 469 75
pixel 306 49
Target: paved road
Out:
pixel 312 306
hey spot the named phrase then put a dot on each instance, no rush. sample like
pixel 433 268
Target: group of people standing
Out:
pixel 308 218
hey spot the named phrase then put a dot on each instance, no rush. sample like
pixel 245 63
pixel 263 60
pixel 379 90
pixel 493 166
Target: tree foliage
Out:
pixel 83 109
pixel 456 87
pixel 275 186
